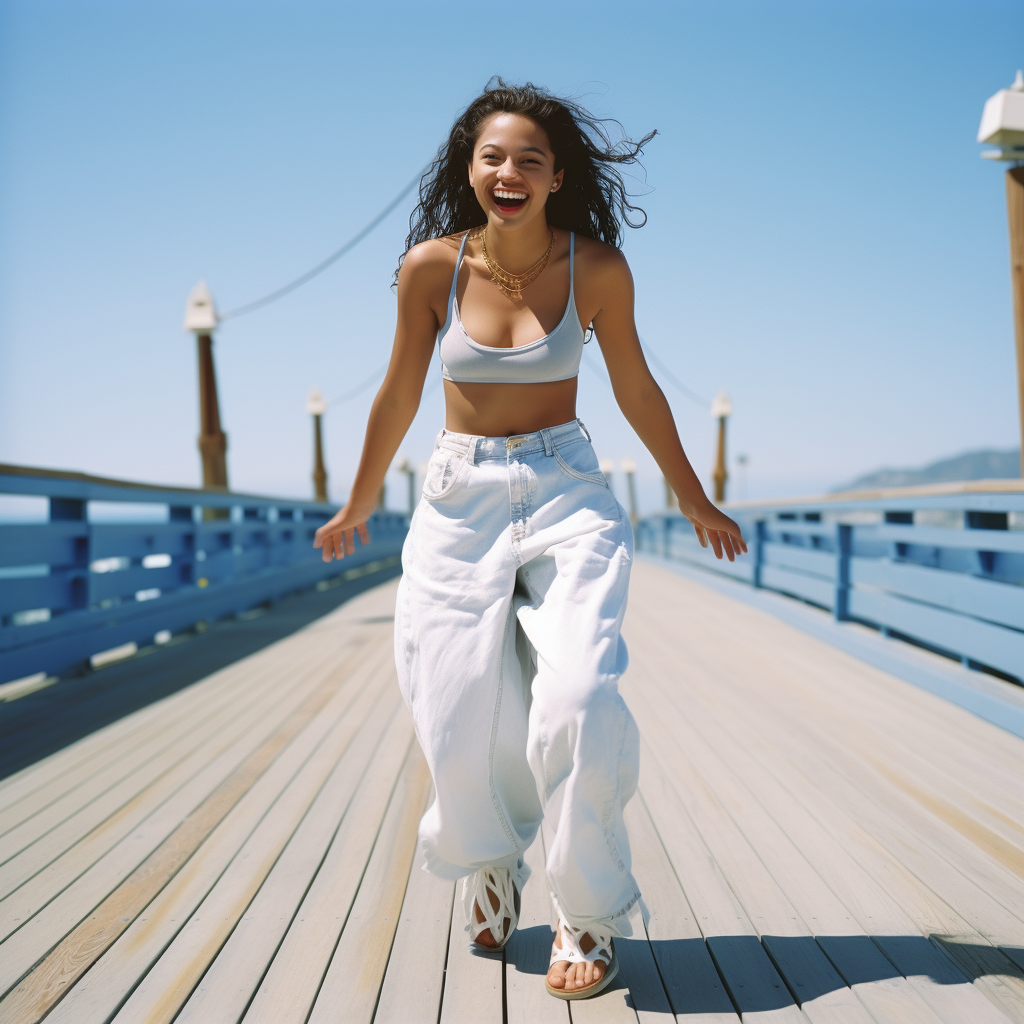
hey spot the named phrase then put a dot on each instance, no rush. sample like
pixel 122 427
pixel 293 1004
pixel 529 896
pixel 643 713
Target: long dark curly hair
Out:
pixel 592 200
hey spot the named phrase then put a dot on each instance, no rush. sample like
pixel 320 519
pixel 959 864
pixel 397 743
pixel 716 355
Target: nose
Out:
pixel 507 171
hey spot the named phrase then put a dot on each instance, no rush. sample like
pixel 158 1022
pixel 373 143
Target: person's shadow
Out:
pixel 741 973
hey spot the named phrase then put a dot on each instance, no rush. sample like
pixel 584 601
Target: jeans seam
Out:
pixel 576 474
pixel 610 807
pixel 509 832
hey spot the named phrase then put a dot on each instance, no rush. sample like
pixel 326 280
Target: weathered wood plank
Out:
pixel 473 981
pixel 243 733
pixel 751 708
pixel 528 951
pixel 694 987
pixel 415 974
pixel 113 812
pixel 40 783
pixel 288 990
pixel 354 977
pixel 819 989
pixel 185 927
pixel 112 913
pixel 814 870
pixel 753 983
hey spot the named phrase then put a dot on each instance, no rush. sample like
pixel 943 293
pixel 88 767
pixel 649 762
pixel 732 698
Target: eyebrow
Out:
pixel 525 149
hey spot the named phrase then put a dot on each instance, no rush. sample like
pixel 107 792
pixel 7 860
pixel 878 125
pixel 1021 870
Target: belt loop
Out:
pixel 471 454
pixel 549 448
pixel 584 429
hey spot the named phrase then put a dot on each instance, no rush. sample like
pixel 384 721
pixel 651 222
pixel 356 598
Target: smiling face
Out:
pixel 513 170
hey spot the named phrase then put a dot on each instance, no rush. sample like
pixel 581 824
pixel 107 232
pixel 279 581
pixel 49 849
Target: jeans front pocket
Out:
pixel 579 461
pixel 443 472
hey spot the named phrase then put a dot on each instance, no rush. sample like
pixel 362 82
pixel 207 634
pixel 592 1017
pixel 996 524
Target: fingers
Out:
pixel 701 535
pixel 727 546
pixel 716 542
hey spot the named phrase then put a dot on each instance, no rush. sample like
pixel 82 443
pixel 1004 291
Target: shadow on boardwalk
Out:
pixel 817 842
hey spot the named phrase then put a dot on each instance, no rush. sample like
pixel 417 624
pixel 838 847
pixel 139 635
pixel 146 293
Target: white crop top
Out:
pixel 556 356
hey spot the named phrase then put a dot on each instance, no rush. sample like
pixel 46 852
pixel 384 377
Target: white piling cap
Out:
pixel 721 405
pixel 1002 122
pixel 200 312
pixel 628 465
pixel 315 404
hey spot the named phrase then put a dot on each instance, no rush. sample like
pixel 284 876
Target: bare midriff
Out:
pixel 500 410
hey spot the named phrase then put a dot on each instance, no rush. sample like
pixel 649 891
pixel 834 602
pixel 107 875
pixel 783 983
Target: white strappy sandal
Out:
pixel 476 890
pixel 571 951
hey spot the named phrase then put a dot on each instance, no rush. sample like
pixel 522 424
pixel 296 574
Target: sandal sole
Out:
pixel 591 990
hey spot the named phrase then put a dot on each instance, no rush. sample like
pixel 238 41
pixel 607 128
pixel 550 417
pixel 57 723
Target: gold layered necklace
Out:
pixel 513 284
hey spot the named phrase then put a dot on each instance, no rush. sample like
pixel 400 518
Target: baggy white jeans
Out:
pixel 515 573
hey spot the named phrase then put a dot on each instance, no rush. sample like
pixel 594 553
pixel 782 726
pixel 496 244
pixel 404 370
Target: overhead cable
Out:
pixel 376 375
pixel 249 307
pixel 671 378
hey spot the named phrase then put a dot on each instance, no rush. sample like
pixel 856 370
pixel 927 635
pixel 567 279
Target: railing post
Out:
pixel 74 510
pixel 666 539
pixel 759 538
pixel 844 545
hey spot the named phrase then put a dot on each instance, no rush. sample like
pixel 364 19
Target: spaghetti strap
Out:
pixel 455 276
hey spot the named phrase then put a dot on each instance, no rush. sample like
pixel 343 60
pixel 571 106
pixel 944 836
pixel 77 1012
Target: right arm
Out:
pixel 396 403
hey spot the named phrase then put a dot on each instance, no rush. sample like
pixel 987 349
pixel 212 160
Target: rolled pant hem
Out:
pixel 453 872
pixel 618 923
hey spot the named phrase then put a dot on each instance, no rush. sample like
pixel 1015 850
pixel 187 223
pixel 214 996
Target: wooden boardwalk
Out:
pixel 817 841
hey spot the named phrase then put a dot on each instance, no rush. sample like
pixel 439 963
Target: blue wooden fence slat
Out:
pixel 818 563
pixel 41 543
pixel 958 589
pixel 985 599
pixel 93 574
pixel 959 634
pixel 934 536
pixel 809 588
pixel 28 594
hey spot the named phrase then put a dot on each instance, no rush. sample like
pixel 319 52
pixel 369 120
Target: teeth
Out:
pixel 500 193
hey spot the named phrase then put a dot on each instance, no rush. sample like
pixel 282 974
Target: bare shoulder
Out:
pixel 602 262
pixel 427 260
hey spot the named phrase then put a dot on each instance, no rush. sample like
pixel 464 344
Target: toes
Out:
pixel 557 974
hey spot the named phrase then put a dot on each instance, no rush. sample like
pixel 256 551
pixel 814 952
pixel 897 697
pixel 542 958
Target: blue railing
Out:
pixel 72 587
pixel 941 566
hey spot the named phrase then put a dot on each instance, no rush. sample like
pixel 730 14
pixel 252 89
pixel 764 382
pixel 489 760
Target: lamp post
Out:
pixel 406 467
pixel 201 319
pixel 629 468
pixel 721 408
pixel 1002 125
pixel 316 407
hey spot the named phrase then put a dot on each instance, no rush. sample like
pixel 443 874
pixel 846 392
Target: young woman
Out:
pixel 517 561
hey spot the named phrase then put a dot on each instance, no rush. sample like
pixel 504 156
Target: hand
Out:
pixel 711 524
pixel 338 537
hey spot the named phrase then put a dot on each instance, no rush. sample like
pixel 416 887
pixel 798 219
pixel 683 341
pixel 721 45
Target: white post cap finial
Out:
pixel 721 406
pixel 200 312
pixel 315 404
pixel 628 465
pixel 1002 123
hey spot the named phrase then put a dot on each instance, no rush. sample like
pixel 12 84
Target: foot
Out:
pixel 567 976
pixel 485 938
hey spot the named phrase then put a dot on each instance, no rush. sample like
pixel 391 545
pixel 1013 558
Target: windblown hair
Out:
pixel 592 200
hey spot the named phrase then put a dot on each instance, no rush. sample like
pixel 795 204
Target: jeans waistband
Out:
pixel 546 440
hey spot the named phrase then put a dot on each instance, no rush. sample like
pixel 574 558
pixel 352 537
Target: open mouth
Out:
pixel 508 200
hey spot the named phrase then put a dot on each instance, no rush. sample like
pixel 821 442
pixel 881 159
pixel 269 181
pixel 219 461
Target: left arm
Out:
pixel 645 407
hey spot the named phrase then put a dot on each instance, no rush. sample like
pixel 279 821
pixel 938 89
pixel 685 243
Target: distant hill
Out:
pixel 987 464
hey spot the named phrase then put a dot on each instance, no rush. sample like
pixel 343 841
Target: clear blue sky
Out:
pixel 824 242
